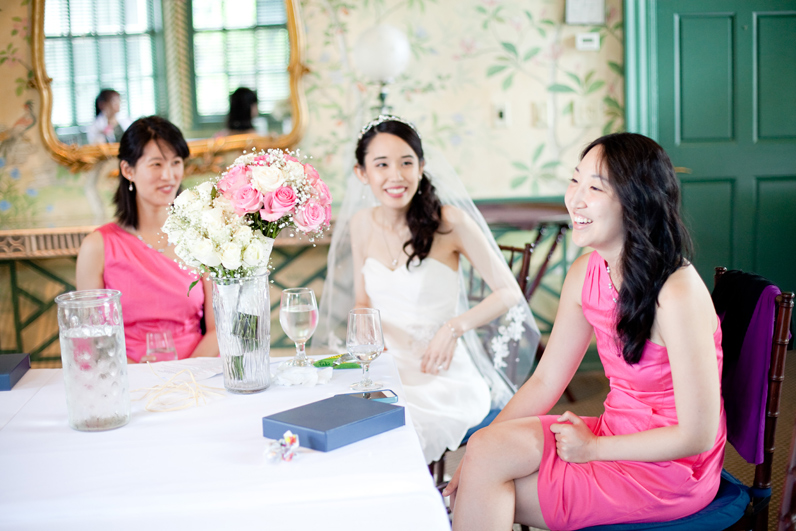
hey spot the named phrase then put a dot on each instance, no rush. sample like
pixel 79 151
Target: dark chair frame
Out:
pixel 787 512
pixel 756 514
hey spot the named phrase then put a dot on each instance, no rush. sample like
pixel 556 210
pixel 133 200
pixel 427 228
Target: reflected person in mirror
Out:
pixel 132 255
pixel 109 124
pixel 242 111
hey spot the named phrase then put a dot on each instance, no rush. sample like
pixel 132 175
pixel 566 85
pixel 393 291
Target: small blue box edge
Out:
pixel 9 379
pixel 335 438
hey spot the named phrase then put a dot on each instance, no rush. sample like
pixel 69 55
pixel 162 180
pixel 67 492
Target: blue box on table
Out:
pixel 334 422
pixel 12 368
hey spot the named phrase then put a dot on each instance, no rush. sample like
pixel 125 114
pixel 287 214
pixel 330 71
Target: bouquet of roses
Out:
pixel 226 227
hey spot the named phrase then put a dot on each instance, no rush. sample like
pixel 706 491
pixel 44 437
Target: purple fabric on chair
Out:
pixel 746 384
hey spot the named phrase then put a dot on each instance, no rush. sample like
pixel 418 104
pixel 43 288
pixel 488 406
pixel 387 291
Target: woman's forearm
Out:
pixel 493 306
pixel 658 444
pixel 207 347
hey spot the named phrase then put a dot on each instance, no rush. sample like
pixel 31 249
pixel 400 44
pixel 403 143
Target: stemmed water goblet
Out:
pixel 365 342
pixel 298 315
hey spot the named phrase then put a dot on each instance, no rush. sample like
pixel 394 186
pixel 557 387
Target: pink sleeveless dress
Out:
pixel 154 292
pixel 641 397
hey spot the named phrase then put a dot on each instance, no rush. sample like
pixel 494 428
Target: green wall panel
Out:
pixel 775 230
pixel 776 76
pixel 708 212
pixel 705 76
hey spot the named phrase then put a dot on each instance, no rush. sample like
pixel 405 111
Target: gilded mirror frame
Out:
pixel 80 158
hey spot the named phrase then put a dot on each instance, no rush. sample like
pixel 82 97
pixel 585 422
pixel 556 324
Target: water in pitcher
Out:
pixel 95 363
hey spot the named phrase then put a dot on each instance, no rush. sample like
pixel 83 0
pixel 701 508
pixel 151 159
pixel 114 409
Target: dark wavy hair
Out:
pixel 240 109
pixel 131 148
pixel 425 210
pixel 104 96
pixel 656 240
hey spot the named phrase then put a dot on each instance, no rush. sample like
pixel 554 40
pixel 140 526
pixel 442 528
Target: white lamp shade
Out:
pixel 382 52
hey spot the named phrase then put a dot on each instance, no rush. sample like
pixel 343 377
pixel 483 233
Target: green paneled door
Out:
pixel 714 81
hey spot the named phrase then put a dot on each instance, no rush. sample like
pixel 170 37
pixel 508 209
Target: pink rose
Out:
pixel 233 180
pixel 311 173
pixel 278 203
pixel 310 217
pixel 246 199
pixel 328 213
pixel 261 158
pixel 324 196
pixel 290 157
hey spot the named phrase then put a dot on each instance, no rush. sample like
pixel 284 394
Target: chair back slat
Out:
pixel 561 230
pixel 775 378
pixel 787 512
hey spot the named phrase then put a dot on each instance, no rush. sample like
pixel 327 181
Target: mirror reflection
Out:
pixel 214 67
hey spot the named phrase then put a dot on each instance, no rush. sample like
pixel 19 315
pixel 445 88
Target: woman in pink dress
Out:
pixel 132 255
pixel 656 452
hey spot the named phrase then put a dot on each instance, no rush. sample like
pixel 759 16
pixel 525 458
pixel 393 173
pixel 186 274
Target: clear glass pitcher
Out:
pixel 94 359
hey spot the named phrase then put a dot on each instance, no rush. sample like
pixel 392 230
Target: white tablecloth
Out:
pixel 204 467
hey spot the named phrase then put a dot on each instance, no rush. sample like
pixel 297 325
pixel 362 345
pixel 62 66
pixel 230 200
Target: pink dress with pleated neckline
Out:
pixel 641 397
pixel 154 293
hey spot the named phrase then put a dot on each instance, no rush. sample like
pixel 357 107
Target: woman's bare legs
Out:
pixel 495 457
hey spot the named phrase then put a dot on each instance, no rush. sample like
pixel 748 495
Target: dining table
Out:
pixel 206 466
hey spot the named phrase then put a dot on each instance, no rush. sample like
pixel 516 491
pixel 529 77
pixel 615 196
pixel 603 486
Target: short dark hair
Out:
pixel 240 109
pixel 131 148
pixel 104 96
pixel 656 240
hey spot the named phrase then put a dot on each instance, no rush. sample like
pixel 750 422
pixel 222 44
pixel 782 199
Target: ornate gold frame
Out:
pixel 79 158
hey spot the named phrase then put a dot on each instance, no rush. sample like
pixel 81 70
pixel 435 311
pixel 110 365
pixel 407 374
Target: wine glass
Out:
pixel 298 315
pixel 365 341
pixel 160 347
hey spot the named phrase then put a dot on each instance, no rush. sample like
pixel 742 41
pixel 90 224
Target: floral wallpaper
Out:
pixel 470 58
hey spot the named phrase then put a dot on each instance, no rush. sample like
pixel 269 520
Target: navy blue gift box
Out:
pixel 334 422
pixel 12 368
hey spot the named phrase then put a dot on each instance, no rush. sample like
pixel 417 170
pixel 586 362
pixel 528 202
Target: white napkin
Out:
pixel 286 375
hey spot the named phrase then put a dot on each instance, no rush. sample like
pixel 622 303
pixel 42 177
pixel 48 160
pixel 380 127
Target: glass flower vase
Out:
pixel 243 327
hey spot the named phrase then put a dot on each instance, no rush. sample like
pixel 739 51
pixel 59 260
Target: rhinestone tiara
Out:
pixel 385 118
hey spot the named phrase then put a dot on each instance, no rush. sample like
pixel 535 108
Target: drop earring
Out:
pixel 131 186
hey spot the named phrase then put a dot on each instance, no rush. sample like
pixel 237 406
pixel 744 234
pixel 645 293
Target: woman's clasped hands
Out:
pixel 575 442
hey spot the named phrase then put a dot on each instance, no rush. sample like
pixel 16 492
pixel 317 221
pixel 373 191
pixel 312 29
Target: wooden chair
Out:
pixel 787 512
pixel 738 506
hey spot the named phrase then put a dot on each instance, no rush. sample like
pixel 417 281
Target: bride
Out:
pixel 406 244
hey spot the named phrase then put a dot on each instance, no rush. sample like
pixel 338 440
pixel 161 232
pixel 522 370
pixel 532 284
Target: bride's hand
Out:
pixel 439 352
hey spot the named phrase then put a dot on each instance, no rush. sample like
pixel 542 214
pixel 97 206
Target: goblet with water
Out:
pixel 365 342
pixel 298 315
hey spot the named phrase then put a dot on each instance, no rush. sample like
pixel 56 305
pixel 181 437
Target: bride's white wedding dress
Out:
pixel 414 303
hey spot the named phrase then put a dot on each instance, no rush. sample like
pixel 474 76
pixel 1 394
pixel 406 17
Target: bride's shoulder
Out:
pixel 362 221
pixel 456 220
pixel 453 216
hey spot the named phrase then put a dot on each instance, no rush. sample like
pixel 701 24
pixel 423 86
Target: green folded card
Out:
pixel 329 362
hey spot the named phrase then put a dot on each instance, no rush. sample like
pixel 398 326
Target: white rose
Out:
pixel 188 201
pixel 183 251
pixel 205 252
pixel 255 253
pixel 231 256
pixel 295 170
pixel 242 235
pixel 204 190
pixel 213 218
pixel 266 178
pixel 224 204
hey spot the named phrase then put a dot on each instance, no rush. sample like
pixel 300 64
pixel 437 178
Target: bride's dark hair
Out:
pixel 425 210
pixel 656 241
